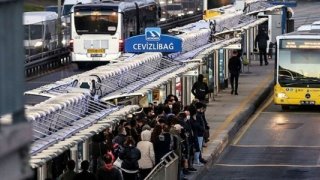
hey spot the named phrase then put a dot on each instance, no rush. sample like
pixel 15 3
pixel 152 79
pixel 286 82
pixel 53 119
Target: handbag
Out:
pixel 117 162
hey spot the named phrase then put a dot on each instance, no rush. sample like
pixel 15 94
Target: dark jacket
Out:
pixel 113 173
pixel 198 125
pixel 200 90
pixel 262 40
pixel 163 144
pixel 130 156
pixel 234 65
pixel 84 175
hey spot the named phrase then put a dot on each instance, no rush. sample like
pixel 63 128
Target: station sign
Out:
pixel 153 41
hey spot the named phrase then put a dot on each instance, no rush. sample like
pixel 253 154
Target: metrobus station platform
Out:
pixel 227 113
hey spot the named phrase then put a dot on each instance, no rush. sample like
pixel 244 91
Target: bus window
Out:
pixel 90 21
pixel 33 32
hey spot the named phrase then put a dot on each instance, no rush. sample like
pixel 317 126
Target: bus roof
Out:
pixel 38 16
pixel 122 5
pixel 313 34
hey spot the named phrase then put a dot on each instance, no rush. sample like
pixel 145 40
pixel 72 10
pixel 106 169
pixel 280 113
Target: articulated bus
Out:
pixel 297 73
pixel 99 29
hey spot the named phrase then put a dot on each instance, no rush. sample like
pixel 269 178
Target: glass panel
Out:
pixel 32 32
pixel 95 21
pixel 299 67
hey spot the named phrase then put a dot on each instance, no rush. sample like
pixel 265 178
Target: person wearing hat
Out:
pixel 85 174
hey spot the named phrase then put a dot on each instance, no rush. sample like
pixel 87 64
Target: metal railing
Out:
pixel 167 169
pixel 45 61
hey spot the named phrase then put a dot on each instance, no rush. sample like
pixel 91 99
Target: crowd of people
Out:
pixel 139 142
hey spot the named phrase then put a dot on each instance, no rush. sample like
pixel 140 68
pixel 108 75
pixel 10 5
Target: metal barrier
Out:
pixel 167 169
pixel 45 61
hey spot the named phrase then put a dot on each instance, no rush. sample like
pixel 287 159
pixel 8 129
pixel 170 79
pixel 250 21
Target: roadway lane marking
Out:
pixel 268 165
pixel 275 146
pixel 244 103
pixel 251 120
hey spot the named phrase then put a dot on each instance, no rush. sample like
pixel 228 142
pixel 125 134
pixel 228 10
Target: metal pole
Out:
pixel 59 24
pixel 86 150
pixel 173 86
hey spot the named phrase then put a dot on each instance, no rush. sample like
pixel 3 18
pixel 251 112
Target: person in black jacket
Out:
pixel 130 156
pixel 85 174
pixel 200 89
pixel 164 143
pixel 262 41
pixel 234 69
pixel 198 128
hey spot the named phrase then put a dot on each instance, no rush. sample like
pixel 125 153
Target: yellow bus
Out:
pixel 297 76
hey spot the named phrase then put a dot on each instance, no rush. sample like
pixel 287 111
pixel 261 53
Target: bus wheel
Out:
pixel 285 107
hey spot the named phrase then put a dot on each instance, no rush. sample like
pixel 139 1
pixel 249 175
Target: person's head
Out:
pixel 178 127
pixel 199 106
pixel 122 130
pixel 176 108
pixel 146 127
pixel 107 159
pixel 192 110
pixel 71 165
pixel 85 165
pixel 234 53
pixel 200 78
pixel 146 135
pixel 129 141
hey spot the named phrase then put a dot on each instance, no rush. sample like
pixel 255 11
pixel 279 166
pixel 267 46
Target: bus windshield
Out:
pixel 299 67
pixel 32 32
pixel 95 21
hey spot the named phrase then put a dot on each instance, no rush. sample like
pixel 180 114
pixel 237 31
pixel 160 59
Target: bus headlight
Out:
pixel 282 95
pixel 38 44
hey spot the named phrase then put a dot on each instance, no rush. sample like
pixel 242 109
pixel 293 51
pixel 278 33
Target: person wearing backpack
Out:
pixel 164 143
pixel 200 89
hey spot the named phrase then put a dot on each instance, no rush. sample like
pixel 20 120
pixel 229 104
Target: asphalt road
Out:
pixel 273 145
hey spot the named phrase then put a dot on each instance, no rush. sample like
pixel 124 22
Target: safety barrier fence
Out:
pixel 166 169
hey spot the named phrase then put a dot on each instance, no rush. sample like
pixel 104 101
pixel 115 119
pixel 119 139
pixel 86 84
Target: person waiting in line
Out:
pixel 262 42
pixel 108 171
pixel 130 156
pixel 164 143
pixel 198 128
pixel 147 160
pixel 69 174
pixel 200 89
pixel 234 69
pixel 84 174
